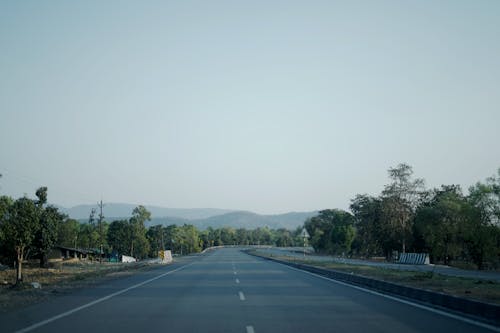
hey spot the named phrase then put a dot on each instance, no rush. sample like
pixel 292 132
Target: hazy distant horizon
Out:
pixel 267 107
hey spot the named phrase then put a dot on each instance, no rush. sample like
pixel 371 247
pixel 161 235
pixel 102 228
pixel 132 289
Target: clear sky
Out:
pixel 269 106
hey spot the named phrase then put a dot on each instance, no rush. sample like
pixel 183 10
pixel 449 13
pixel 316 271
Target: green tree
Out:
pixel 204 241
pixel 49 220
pixel 482 234
pixel 68 233
pixel 171 238
pixel 19 229
pixel 7 253
pixel 371 234
pixel 283 238
pixel 486 198
pixel 242 236
pixel 439 222
pixel 48 231
pixel 400 199
pixel 262 236
pixel 88 236
pixel 190 239
pixel 228 235
pixel 139 245
pixel 331 231
pixel 156 239
pixel 119 236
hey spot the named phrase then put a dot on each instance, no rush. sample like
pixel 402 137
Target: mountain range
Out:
pixel 202 218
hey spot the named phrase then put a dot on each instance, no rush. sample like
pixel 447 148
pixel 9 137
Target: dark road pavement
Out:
pixel 228 291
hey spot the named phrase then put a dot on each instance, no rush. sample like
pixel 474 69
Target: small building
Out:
pixel 69 252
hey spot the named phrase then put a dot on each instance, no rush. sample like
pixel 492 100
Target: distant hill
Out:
pixel 242 219
pixel 120 210
pixel 202 218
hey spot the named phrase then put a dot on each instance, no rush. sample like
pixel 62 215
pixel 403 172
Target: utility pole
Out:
pixel 101 219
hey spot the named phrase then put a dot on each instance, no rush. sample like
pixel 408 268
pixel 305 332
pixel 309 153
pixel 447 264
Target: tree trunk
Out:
pixel 43 260
pixel 19 266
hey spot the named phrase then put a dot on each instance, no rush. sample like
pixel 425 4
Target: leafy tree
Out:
pixel 242 236
pixel 19 229
pixel 439 222
pixel 486 198
pixel 119 236
pixel 283 238
pixel 48 231
pixel 156 238
pixel 139 245
pixel 481 241
pixel 140 215
pixel 171 238
pixel 228 236
pixel 190 239
pixel 371 234
pixel 41 194
pixel 205 240
pixel 262 236
pixel 88 236
pixel 49 220
pixel 7 253
pixel 400 199
pixel 68 233
pixel 332 231
pixel 482 234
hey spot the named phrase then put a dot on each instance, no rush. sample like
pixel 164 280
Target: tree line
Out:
pixel 31 229
pixel 444 222
pixel 406 217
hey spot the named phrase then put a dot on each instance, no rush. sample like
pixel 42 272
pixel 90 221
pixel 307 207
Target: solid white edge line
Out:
pixel 420 306
pixel 250 329
pixel 102 299
pixel 242 296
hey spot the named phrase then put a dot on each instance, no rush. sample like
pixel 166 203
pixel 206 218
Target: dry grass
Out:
pixel 60 279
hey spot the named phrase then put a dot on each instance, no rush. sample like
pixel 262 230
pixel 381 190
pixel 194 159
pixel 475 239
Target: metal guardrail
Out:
pixel 485 312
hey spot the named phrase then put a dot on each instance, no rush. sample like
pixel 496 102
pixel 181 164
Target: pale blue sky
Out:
pixel 268 106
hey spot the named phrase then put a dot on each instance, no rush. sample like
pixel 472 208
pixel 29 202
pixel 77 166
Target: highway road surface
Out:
pixel 229 291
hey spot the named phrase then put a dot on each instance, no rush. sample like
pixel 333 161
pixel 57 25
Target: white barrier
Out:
pixel 128 259
pixel 414 258
pixel 165 256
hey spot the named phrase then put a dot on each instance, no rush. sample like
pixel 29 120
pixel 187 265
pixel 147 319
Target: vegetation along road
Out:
pixel 226 290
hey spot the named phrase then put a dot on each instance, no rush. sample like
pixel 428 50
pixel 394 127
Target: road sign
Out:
pixel 305 234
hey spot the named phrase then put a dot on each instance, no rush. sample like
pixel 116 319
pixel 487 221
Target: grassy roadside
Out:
pixel 475 289
pixel 61 279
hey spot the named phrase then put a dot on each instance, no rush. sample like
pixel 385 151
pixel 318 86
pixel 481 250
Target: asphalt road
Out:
pixel 229 291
